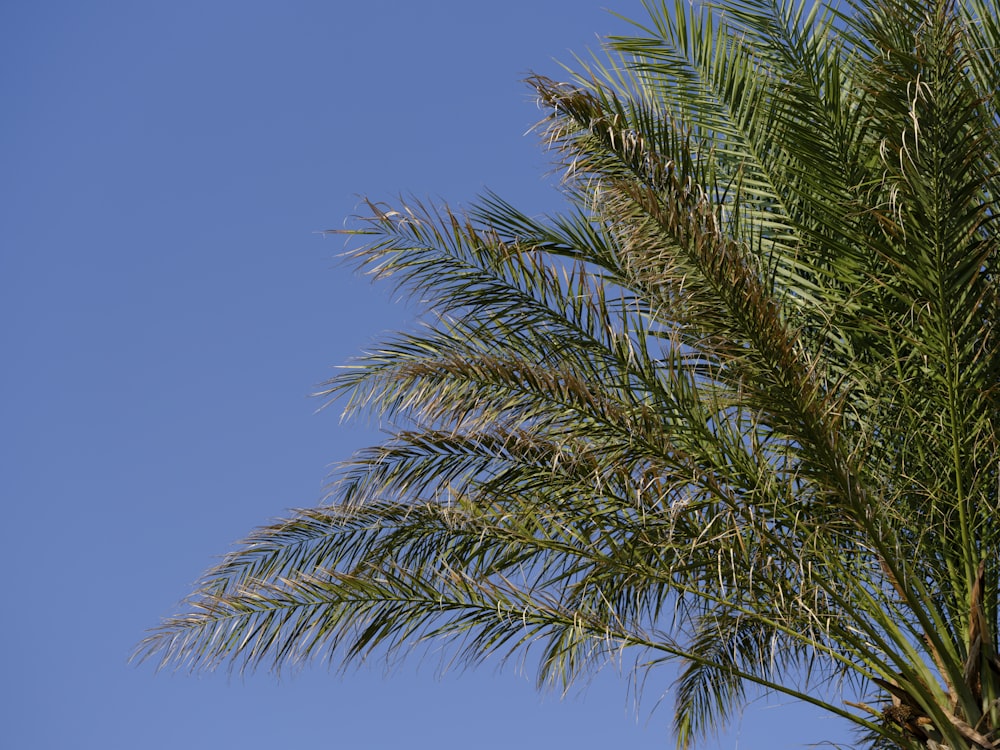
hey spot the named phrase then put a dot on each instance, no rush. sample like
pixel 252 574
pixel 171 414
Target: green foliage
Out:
pixel 737 407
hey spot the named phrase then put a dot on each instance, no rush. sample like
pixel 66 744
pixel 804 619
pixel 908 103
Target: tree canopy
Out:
pixel 735 407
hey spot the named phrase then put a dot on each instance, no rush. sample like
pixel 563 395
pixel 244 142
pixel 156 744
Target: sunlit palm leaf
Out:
pixel 736 407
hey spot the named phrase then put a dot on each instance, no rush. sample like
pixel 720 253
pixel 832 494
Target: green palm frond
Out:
pixel 735 408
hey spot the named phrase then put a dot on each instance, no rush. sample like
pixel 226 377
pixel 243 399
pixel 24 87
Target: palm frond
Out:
pixel 735 408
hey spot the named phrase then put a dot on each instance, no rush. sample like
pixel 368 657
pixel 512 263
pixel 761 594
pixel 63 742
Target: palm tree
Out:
pixel 735 408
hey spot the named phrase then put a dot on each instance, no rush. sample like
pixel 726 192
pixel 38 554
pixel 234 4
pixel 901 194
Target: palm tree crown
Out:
pixel 736 407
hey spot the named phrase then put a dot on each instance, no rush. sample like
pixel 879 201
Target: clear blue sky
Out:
pixel 167 308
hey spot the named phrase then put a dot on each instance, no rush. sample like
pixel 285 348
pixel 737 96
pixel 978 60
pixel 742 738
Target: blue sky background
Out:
pixel 167 308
